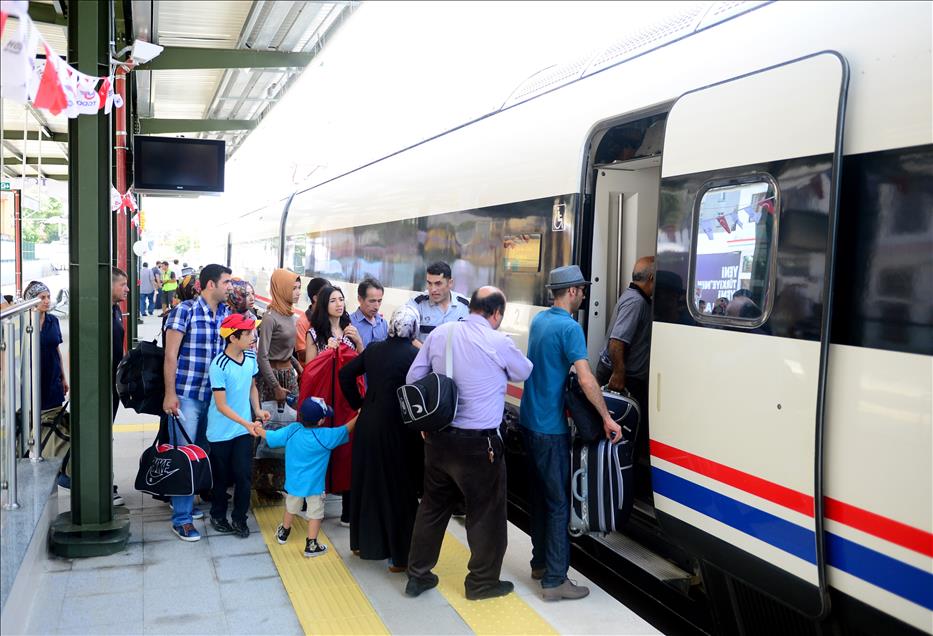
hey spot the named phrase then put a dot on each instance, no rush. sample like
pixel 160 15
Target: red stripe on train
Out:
pixel 763 488
pixel 513 391
pixel 868 522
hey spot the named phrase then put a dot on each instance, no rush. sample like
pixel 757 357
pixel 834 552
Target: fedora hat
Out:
pixel 564 277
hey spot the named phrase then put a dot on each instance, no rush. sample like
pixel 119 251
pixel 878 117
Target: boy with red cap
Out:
pixel 307 451
pixel 232 418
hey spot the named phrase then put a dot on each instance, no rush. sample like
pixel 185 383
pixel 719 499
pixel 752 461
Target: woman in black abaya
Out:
pixel 387 457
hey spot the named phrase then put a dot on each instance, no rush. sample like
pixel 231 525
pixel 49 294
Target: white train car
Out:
pixel 777 155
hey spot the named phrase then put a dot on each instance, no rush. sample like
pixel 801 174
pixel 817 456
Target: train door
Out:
pixel 740 337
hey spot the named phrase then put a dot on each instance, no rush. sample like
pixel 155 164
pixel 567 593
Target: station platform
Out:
pixel 227 585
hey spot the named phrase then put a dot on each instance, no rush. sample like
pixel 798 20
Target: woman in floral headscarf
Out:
pixel 241 298
pixel 387 457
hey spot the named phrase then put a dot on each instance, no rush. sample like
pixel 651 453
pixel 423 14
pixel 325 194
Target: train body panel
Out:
pixel 508 197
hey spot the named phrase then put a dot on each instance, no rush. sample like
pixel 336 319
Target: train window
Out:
pixel 521 253
pixel 734 247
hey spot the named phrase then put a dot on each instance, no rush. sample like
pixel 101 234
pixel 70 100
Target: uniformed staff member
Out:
pixel 440 304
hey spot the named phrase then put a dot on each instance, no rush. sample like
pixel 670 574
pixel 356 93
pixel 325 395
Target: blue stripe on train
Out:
pixel 888 573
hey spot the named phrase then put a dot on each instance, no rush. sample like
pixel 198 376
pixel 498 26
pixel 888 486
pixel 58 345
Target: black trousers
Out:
pixel 455 464
pixel 231 463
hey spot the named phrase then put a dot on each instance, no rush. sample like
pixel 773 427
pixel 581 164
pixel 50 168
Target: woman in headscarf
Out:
pixel 52 365
pixel 52 382
pixel 387 456
pixel 278 368
pixel 241 298
pixel 304 320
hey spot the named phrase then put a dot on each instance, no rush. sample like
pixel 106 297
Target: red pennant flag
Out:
pixel 103 91
pixel 51 94
pixel 768 206
pixel 2 21
pixel 724 223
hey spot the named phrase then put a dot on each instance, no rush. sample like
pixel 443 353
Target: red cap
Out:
pixel 234 322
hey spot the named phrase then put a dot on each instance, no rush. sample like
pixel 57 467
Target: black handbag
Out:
pixel 430 404
pixel 586 419
pixel 170 470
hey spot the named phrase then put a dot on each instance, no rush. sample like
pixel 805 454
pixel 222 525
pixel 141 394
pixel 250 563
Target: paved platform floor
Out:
pixel 227 585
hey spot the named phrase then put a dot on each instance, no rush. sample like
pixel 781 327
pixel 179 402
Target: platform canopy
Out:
pixel 224 65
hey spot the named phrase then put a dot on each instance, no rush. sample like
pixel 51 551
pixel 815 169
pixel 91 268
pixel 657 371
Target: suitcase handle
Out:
pixel 575 480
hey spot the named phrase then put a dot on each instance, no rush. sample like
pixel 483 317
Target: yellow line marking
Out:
pixel 326 597
pixel 135 428
pixel 504 615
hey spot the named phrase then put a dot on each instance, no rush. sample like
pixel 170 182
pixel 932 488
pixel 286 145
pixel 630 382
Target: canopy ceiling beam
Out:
pixel 165 126
pixel 186 58
pixel 47 14
pixel 33 135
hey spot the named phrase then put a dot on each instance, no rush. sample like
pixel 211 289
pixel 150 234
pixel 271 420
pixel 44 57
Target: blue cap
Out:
pixel 313 409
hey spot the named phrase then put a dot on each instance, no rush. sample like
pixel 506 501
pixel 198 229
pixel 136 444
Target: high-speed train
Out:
pixel 777 159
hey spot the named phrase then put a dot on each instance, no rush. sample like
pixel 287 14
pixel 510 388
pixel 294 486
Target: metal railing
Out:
pixel 19 386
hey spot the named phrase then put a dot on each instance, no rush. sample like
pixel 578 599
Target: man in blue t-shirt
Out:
pixel 231 424
pixel 555 344
pixel 307 451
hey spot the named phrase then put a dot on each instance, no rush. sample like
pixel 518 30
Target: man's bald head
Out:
pixel 488 302
pixel 643 274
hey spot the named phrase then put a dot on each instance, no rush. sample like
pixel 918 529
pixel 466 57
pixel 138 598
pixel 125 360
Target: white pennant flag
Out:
pixel 87 101
pixel 17 62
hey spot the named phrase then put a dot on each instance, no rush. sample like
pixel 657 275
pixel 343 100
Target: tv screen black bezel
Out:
pixel 167 188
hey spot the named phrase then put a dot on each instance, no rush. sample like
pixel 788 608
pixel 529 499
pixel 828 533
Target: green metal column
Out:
pixel 91 528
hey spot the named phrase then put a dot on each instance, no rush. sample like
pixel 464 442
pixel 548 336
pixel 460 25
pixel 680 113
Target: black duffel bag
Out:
pixel 168 470
pixel 430 404
pixel 586 419
pixel 140 382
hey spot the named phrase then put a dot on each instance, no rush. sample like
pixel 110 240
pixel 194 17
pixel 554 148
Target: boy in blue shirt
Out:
pixel 230 423
pixel 307 451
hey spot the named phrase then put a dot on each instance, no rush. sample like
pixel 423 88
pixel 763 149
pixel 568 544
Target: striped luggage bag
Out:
pixel 601 485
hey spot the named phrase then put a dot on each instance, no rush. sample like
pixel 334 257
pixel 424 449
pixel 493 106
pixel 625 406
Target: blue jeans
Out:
pixel 548 458
pixel 144 301
pixel 195 414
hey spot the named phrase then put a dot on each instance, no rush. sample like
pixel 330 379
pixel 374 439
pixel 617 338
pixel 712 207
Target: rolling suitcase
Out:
pixel 601 480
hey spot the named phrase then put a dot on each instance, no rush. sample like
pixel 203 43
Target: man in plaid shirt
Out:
pixel 192 340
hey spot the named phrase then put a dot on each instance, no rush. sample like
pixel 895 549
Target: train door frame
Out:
pixel 698 467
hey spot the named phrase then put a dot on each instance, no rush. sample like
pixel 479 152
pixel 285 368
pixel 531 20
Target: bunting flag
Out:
pixel 51 94
pixel 724 223
pixel 52 84
pixel 18 61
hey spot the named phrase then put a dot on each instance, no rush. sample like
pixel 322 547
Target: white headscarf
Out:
pixel 403 323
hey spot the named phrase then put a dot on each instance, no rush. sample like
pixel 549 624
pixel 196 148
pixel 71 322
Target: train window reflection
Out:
pixel 521 253
pixel 733 247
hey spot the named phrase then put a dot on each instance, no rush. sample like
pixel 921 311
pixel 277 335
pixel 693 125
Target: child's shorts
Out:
pixel 315 505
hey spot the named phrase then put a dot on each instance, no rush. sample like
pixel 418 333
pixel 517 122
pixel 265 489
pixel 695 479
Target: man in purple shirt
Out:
pixel 468 456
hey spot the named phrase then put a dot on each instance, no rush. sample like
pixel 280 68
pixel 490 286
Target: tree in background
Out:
pixel 46 225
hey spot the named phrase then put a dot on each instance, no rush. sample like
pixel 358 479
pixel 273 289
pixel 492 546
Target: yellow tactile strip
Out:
pixel 505 615
pixel 135 428
pixel 324 594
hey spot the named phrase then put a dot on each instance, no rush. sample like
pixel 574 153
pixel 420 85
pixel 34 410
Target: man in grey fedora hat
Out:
pixel 556 343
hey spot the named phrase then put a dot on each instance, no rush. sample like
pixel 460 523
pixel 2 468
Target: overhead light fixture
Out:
pixel 143 51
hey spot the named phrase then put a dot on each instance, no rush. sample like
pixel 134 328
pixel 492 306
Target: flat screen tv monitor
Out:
pixel 167 165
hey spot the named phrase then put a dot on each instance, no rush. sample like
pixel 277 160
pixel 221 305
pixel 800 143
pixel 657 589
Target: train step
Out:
pixel 651 562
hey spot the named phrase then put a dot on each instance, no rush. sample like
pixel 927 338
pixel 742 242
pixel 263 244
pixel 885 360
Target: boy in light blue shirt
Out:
pixel 231 423
pixel 307 452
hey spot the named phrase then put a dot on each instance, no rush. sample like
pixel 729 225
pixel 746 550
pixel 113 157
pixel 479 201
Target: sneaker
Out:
pixel 117 498
pixel 313 548
pixel 416 587
pixel 64 481
pixel 222 526
pixel 499 589
pixel 568 590
pixel 241 529
pixel 281 534
pixel 537 573
pixel 186 532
